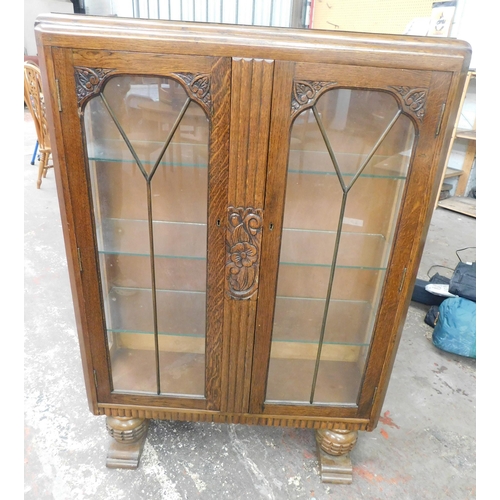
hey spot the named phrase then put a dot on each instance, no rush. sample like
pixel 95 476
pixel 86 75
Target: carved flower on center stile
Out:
pixel 243 254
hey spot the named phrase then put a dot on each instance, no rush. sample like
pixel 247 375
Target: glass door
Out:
pixel 344 142
pixel 347 166
pixel 147 144
pixel 153 171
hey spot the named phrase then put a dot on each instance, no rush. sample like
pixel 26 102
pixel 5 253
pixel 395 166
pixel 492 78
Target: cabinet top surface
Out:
pixel 104 33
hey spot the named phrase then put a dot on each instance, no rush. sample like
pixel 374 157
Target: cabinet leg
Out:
pixel 333 452
pixel 128 438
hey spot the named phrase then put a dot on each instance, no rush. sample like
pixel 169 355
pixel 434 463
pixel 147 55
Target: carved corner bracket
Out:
pixel 198 88
pixel 89 82
pixel 413 99
pixel 243 243
pixel 305 93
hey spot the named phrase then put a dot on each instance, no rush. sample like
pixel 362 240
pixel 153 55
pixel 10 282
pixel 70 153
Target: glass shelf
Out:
pixel 134 271
pixel 183 154
pixel 299 320
pixel 185 240
pixel 161 164
pixel 181 373
pixel 181 340
pixel 338 382
pixel 315 248
pixel 319 163
pixel 314 202
pixel 357 284
pixel 179 312
pixel 300 162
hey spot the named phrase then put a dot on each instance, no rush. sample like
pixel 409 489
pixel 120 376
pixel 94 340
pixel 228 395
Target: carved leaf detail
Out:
pixel 306 92
pixel 89 81
pixel 243 239
pixel 413 99
pixel 198 87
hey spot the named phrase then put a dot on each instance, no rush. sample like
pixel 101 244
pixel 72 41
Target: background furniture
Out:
pixel 244 217
pixel 33 97
pixel 460 202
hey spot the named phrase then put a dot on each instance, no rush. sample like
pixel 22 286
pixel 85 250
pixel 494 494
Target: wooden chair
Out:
pixel 33 97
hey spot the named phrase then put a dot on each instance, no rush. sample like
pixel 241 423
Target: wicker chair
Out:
pixel 33 97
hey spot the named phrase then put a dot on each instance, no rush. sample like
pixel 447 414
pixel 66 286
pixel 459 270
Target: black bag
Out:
pixel 432 316
pixel 420 294
pixel 463 281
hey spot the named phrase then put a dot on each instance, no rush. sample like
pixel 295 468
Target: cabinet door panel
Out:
pixel 147 133
pixel 351 136
pixel 154 164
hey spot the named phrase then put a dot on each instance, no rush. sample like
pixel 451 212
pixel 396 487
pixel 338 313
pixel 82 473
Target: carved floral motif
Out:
pixel 414 100
pixel 243 241
pixel 306 92
pixel 198 87
pixel 89 81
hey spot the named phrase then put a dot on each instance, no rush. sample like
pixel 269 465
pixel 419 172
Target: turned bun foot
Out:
pixel 128 438
pixel 334 446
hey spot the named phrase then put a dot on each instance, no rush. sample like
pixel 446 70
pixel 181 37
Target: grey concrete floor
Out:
pixel 423 448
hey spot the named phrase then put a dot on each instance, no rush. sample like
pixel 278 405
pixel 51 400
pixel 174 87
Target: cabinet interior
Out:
pixel 148 150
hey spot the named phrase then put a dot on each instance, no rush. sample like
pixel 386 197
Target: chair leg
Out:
pixel 46 168
pixel 41 168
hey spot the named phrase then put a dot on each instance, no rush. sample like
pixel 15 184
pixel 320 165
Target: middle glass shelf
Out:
pixel 181 314
pixel 179 154
pixel 171 239
pixel 300 162
pixel 187 240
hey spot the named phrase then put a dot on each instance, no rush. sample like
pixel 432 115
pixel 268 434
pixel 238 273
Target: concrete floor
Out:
pixel 423 448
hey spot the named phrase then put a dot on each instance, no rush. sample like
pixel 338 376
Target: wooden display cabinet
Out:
pixel 244 210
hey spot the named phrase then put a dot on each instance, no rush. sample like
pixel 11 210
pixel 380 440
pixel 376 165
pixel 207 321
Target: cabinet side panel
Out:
pixel 73 196
pixel 252 81
pixel 411 233
pixel 55 129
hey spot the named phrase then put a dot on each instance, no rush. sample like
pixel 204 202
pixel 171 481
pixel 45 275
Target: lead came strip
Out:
pixel 345 190
pixel 148 178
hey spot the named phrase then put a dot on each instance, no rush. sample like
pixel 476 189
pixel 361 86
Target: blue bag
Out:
pixel 455 330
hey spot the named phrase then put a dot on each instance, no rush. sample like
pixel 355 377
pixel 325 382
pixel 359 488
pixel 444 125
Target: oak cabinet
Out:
pixel 244 210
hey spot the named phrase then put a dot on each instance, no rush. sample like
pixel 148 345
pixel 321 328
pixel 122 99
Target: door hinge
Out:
pixel 58 90
pixel 374 394
pixel 95 380
pixel 440 120
pixel 79 259
pixel 402 279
